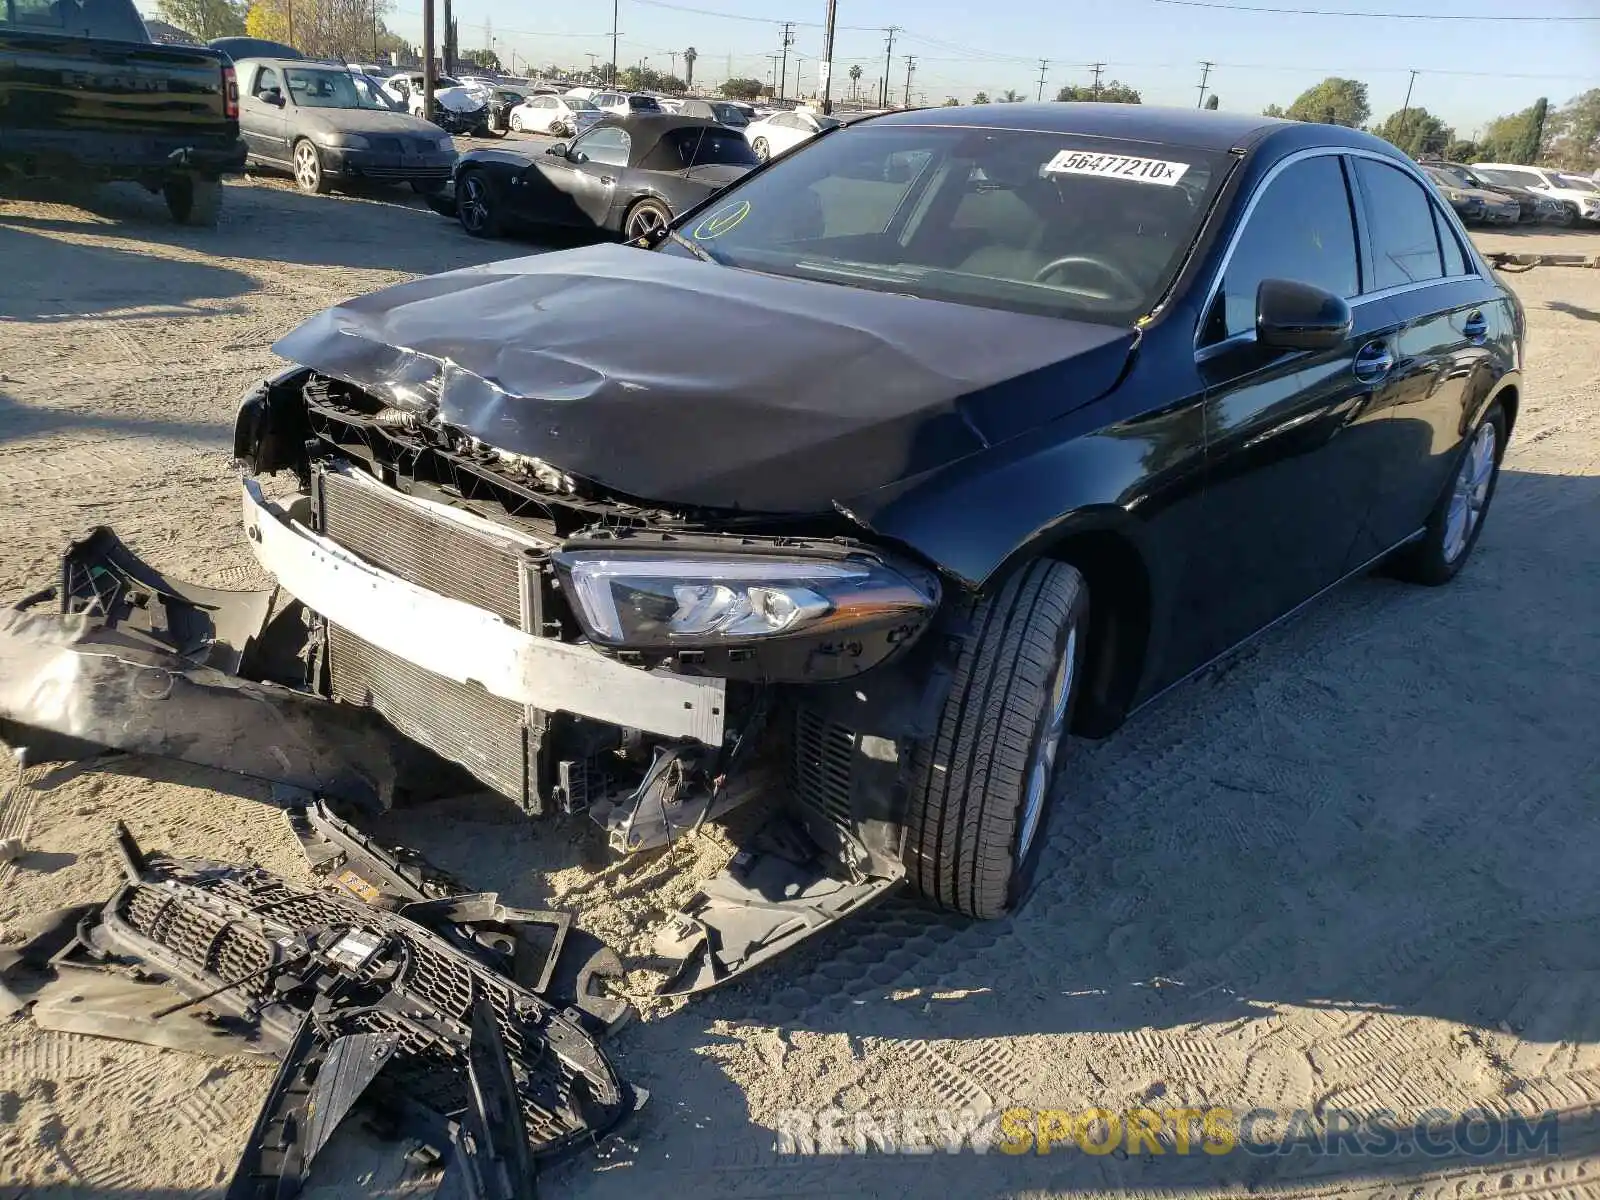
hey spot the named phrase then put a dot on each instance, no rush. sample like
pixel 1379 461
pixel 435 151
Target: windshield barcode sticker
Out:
pixel 1115 166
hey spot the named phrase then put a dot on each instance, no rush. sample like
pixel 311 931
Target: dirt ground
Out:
pixel 1354 868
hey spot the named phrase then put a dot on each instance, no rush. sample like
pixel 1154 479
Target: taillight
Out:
pixel 230 92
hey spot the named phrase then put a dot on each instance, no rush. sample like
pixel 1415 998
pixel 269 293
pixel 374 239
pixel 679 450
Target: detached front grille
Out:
pixel 458 557
pixel 822 755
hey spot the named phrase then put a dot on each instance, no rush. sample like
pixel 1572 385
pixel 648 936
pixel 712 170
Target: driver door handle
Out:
pixel 1373 361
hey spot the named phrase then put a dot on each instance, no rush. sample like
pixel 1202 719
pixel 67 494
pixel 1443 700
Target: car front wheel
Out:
pixel 1457 519
pixel 308 176
pixel 981 787
pixel 477 206
pixel 644 218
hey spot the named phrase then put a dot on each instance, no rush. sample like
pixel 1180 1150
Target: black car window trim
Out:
pixel 1363 236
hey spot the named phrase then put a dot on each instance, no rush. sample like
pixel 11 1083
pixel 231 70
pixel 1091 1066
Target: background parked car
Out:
pixel 323 123
pixel 1472 204
pixel 723 112
pixel 1531 206
pixel 1584 205
pixel 249 47
pixel 784 131
pixel 619 104
pixel 457 108
pixel 626 175
pixel 563 116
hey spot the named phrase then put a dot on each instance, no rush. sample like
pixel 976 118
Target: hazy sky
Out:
pixel 963 47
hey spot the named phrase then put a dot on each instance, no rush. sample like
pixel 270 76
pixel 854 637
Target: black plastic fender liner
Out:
pixel 68 677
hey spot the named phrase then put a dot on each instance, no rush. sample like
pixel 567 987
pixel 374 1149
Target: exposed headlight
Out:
pixel 342 141
pixel 854 610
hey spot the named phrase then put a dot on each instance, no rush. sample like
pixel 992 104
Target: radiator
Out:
pixel 454 555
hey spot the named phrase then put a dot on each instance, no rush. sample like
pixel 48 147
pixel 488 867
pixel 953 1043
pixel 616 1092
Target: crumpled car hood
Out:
pixel 682 382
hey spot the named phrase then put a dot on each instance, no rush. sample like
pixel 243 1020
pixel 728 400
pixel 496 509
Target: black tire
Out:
pixel 969 847
pixel 307 165
pixel 478 205
pixel 763 151
pixel 516 123
pixel 645 216
pixel 1439 556
pixel 193 200
pixel 427 187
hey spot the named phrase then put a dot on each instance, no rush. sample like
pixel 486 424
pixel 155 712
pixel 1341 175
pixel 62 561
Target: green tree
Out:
pixel 1334 101
pixel 1517 137
pixel 1463 152
pixel 484 60
pixel 206 19
pixel 648 79
pixel 951 102
pixel 322 28
pixel 1111 92
pixel 981 98
pixel 1274 110
pixel 1012 96
pixel 855 82
pixel 1213 102
pixel 1416 131
pixel 742 89
pixel 1573 133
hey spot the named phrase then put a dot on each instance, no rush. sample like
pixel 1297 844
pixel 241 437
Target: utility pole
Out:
pixel 615 6
pixel 799 61
pixel 888 65
pixel 825 67
pixel 1205 73
pixel 1405 109
pixel 783 73
pixel 428 76
pixel 1097 68
pixel 772 72
pixel 911 66
pixel 1044 68
pixel 290 7
pixel 674 54
pixel 594 62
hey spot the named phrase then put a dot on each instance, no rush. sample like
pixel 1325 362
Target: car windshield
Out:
pixel 1056 224
pixel 643 104
pixel 577 105
pixel 729 115
pixel 312 88
pixel 1577 183
pixel 1514 178
pixel 114 20
pixel 1450 176
pixel 372 92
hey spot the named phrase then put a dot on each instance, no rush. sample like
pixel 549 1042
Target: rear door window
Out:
pixel 1301 228
pixel 113 20
pixel 1405 243
pixel 1455 258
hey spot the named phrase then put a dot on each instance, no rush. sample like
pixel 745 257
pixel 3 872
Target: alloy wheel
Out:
pixel 474 204
pixel 763 151
pixel 644 220
pixel 1470 493
pixel 307 167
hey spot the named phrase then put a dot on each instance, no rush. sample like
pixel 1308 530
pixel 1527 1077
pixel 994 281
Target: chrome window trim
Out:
pixel 1202 353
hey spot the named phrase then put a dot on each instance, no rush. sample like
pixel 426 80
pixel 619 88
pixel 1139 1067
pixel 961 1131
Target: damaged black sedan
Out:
pixel 1017 416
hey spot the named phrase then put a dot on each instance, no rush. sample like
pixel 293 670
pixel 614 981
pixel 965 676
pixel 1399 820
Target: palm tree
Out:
pixel 1011 97
pixel 689 56
pixel 855 82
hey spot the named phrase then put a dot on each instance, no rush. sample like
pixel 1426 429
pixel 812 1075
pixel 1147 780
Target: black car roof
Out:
pixel 646 131
pixel 1200 128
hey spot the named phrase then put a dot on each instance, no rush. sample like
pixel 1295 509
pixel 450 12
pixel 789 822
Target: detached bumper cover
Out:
pixel 472 645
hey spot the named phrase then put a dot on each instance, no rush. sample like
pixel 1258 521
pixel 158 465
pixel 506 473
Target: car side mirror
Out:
pixel 559 149
pixel 273 96
pixel 1297 316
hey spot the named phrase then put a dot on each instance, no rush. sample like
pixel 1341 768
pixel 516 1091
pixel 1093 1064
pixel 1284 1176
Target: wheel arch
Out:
pixel 1104 545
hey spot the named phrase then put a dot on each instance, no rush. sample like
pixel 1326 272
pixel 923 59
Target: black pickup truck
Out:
pixel 85 95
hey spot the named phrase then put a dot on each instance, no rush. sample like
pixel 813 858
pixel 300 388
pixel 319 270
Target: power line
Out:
pixel 1387 16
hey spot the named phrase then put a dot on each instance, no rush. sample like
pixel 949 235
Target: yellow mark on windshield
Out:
pixel 714 225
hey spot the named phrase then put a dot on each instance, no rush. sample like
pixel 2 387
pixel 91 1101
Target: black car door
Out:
pixel 1444 360
pixel 1290 438
pixel 587 174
